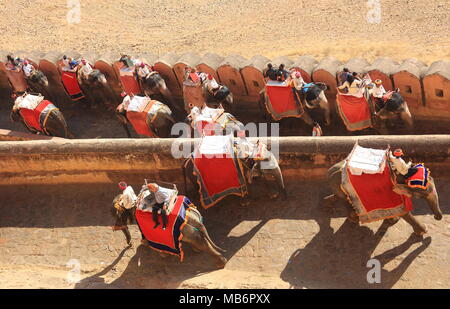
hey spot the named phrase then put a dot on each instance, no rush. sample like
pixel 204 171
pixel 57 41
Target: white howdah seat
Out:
pixel 366 160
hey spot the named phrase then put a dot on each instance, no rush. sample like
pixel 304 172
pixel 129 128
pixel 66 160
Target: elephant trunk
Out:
pixel 406 117
pixel 433 202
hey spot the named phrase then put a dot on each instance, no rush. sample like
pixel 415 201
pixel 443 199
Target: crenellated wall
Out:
pixel 426 88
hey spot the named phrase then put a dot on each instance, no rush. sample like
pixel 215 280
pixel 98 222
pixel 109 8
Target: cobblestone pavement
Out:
pixel 299 243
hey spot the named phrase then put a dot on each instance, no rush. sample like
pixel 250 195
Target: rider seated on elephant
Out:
pixel 86 68
pixel 378 92
pixel 400 166
pixel 162 199
pixel 143 70
pixel 343 76
pixel 282 74
pixel 270 73
pixel 28 68
pixel 351 85
pixel 12 64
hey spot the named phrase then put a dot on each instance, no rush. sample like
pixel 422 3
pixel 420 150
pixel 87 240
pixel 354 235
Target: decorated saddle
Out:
pixel 368 183
pixel 218 170
pixel 420 179
pixel 354 111
pixel 140 109
pixel 70 83
pixel 168 240
pixel 282 100
pixel 35 111
pixel 128 78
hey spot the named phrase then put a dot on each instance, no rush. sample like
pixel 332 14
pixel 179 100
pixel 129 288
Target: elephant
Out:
pixel 194 232
pixel 430 195
pixel 160 123
pixel 215 98
pixel 55 124
pixel 224 124
pixel 254 169
pixel 95 87
pixel 154 86
pixel 395 108
pixel 38 82
pixel 313 100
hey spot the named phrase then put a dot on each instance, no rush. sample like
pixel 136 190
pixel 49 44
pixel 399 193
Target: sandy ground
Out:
pixel 294 244
pixel 408 28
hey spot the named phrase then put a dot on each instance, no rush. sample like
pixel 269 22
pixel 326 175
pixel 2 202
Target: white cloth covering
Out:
pixel 137 103
pixel 216 144
pixel 367 160
pixel 28 101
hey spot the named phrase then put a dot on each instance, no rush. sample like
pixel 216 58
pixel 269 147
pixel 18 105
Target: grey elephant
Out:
pixel 430 195
pixel 194 232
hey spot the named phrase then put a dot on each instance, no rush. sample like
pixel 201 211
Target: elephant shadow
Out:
pixel 340 259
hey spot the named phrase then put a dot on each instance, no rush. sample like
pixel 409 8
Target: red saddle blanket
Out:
pixel 139 120
pixel 354 112
pixel 70 83
pixel 372 197
pixel 129 82
pixel 281 103
pixel 168 240
pixel 218 174
pixel 32 117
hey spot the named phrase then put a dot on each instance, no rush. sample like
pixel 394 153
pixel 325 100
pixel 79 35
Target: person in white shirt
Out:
pixel 244 147
pixel 400 166
pixel 378 92
pixel 86 68
pixel 162 198
pixel 128 195
pixel 28 68
pixel 211 84
pixel 143 70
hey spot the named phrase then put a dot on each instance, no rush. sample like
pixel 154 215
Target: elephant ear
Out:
pixel 402 190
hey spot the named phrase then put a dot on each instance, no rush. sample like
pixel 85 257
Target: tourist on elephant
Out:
pixel 12 64
pixel 282 74
pixel 143 70
pixel 270 73
pixel 86 68
pixel 352 85
pixel 343 76
pixel 162 199
pixel 28 68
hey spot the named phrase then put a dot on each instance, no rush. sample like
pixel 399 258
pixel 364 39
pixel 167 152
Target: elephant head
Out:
pixel 97 78
pixel 396 107
pixel 430 195
pixel 38 77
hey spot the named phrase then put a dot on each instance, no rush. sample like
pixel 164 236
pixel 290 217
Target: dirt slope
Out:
pixel 408 28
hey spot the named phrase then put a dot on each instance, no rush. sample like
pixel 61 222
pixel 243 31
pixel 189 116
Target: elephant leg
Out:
pixel 330 199
pixel 197 240
pixel 392 221
pixel 306 117
pixel 419 229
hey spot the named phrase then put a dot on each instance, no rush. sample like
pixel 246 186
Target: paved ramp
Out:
pixel 46 230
